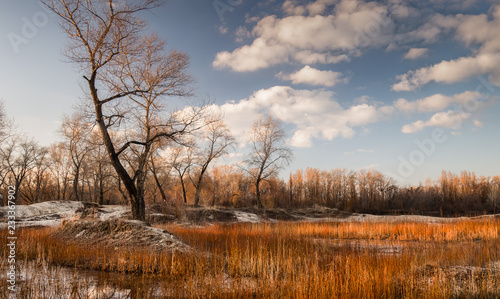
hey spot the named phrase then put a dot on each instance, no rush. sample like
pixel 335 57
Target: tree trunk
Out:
pixel 138 207
pixel 101 187
pixel 75 184
pixel 160 187
pixel 197 197
pixel 183 191
pixel 198 187
pixel 157 180
pixel 257 192
pixel 137 204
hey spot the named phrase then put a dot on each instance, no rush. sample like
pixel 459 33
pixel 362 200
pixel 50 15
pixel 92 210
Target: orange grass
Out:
pixel 303 260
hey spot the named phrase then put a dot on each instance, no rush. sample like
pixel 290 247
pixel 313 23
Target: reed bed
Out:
pixel 296 260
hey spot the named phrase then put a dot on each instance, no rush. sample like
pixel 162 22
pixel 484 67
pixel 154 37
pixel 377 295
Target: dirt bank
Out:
pixel 115 233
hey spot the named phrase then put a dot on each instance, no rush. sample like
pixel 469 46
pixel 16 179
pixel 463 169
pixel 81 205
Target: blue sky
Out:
pixel 409 88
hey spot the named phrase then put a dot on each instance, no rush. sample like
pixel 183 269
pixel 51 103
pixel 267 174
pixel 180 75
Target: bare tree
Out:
pixel 269 152
pixel 99 169
pixel 37 178
pixel 19 156
pixel 494 193
pixel 213 143
pixel 161 171
pixel 3 134
pixel 181 159
pixel 128 76
pixel 60 168
pixel 76 131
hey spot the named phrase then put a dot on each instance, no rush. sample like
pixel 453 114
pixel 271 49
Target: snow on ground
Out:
pixel 115 233
pixel 62 208
pixel 110 212
pixel 49 213
pixel 247 217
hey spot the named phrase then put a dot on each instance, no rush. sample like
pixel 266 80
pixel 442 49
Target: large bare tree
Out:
pixel 269 152
pixel 128 76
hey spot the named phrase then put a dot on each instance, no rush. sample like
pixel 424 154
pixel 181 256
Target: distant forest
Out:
pixel 78 170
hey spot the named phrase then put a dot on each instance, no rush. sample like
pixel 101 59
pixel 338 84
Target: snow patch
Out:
pixel 49 213
pixel 247 217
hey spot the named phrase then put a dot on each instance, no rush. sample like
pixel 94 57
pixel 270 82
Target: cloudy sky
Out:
pixel 409 88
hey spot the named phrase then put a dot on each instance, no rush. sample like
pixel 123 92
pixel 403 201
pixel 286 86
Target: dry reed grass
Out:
pixel 301 260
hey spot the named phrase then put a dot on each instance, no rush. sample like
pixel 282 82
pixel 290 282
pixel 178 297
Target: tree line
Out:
pixel 192 173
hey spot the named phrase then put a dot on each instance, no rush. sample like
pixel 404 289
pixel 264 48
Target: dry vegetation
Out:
pixel 337 259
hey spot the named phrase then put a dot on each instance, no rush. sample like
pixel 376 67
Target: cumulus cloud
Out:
pixel 436 102
pixel 415 53
pixel 312 76
pixel 332 31
pixel 467 102
pixel 348 27
pixel 452 71
pixel 449 119
pixel 472 30
pixel 312 114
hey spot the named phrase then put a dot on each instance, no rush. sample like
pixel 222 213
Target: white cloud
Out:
pixel 261 54
pixel 468 103
pixel 313 114
pixel 436 102
pixel 332 31
pixel 452 71
pixel 449 119
pixel 478 124
pixel 312 76
pixel 415 53
pixel 472 30
pixel 351 26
